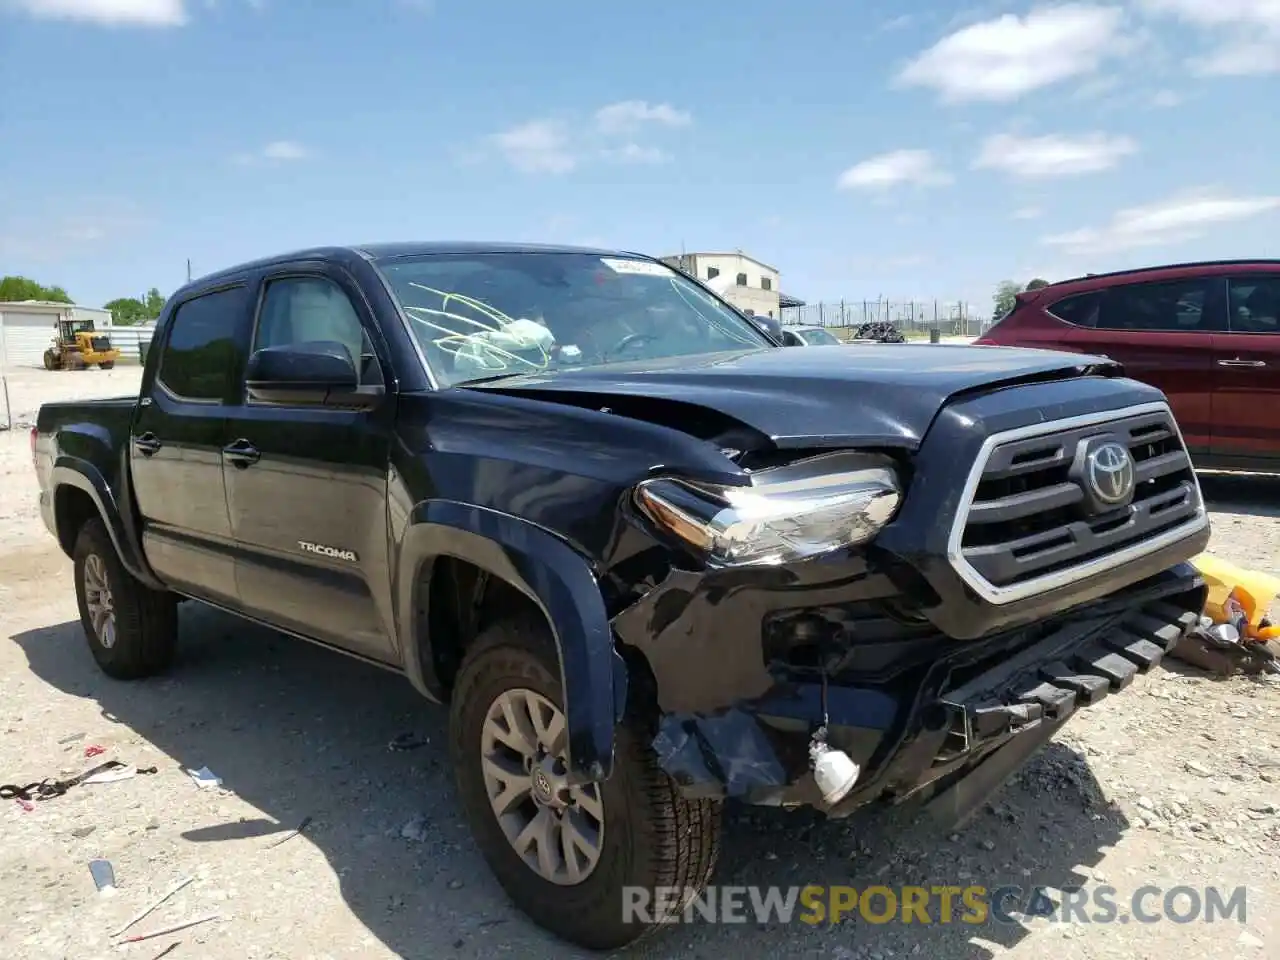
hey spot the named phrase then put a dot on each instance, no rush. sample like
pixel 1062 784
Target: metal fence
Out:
pixel 912 317
pixel 130 341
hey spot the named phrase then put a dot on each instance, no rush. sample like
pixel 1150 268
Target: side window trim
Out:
pixel 174 310
pixel 1242 279
pixel 359 304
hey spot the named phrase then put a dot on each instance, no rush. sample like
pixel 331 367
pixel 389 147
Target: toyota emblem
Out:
pixel 1109 472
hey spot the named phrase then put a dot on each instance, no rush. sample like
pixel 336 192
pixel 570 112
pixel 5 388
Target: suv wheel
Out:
pixel 564 854
pixel 132 629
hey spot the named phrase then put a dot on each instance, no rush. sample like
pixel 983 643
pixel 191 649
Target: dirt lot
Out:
pixel 1177 782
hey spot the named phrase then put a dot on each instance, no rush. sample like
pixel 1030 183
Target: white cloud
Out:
pixel 1211 13
pixel 1043 158
pixel 277 151
pixel 635 153
pixel 630 115
pixel 150 13
pixel 1165 98
pixel 285 150
pixel 538 146
pixel 1248 32
pixel 893 169
pixel 1004 58
pixel 1027 213
pixel 1181 217
pixel 1242 57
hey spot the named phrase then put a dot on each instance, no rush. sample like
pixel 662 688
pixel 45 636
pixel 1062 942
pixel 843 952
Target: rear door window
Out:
pixel 1254 304
pixel 1179 306
pixel 201 351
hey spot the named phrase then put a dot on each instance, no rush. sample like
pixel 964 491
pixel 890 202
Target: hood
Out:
pixel 823 396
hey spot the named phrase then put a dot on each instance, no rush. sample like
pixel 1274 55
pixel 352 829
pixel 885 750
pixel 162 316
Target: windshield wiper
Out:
pixel 490 379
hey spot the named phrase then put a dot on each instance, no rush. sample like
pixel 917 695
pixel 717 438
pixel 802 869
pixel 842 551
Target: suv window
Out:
pixel 200 351
pixel 303 309
pixel 1254 304
pixel 1080 310
pixel 1177 306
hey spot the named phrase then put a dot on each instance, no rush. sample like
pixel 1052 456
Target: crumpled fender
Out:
pixel 554 576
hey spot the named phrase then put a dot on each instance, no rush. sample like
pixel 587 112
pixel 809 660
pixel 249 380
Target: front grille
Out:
pixel 1032 519
pixel 100 343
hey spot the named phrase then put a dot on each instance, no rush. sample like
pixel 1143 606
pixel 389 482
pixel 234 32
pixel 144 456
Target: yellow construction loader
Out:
pixel 78 346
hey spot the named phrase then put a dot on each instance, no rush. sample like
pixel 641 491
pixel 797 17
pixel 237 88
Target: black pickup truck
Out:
pixel 651 558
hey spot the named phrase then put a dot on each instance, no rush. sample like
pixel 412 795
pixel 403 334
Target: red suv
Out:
pixel 1207 334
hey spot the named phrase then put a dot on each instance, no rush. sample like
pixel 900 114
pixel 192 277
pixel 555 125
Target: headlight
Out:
pixel 802 510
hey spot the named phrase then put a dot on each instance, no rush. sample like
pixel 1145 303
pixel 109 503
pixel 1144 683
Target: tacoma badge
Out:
pixel 327 551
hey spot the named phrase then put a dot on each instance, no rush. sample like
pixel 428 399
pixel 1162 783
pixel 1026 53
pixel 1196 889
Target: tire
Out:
pixel 652 836
pixel 107 364
pixel 145 621
pixel 50 361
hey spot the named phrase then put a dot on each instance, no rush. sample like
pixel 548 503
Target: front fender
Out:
pixel 69 471
pixel 557 579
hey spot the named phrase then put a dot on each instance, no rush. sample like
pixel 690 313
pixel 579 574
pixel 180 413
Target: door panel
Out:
pixel 1164 335
pixel 176 443
pixel 1247 361
pixel 308 504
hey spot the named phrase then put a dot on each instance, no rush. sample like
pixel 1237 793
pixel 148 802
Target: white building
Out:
pixel 27 328
pixel 745 282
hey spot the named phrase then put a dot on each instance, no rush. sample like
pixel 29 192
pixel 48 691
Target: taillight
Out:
pixel 33 444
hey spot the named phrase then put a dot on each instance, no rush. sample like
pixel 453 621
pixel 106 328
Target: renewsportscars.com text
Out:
pixel 937 905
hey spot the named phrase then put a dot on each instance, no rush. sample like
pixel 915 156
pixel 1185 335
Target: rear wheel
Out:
pixel 131 629
pixel 107 364
pixel 50 360
pixel 567 855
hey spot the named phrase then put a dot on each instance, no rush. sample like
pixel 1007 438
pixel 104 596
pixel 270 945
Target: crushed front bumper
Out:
pixel 956 732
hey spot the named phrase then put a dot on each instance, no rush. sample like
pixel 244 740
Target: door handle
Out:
pixel 1237 362
pixel 241 454
pixel 147 444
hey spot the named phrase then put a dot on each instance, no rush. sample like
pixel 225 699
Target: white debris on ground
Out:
pixel 1176 782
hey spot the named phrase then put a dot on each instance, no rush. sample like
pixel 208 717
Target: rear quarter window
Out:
pixel 1080 310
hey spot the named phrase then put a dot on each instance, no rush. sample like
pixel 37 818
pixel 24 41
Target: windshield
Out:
pixel 483 315
pixel 817 337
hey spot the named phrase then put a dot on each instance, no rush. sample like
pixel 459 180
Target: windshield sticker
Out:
pixel 638 267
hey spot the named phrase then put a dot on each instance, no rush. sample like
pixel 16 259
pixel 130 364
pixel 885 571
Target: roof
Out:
pixel 713 253
pixel 377 252
pixel 786 301
pixel 36 306
pixel 1137 271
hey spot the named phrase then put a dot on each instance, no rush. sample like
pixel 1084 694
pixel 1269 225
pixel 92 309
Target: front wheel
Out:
pixel 132 629
pixel 50 361
pixel 572 858
pixel 107 364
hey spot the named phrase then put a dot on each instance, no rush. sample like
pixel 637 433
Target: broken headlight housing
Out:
pixel 794 512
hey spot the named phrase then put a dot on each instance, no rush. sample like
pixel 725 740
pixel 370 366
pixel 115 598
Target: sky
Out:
pixel 865 149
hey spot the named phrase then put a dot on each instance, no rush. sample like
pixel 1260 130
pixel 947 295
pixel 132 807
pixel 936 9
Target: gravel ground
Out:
pixel 1173 783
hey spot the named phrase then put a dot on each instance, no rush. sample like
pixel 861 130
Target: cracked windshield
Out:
pixel 492 315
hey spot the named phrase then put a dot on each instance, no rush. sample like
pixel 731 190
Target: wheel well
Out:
pixel 461 600
pixel 72 509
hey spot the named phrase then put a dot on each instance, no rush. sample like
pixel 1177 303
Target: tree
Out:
pixel 1005 298
pixel 1037 283
pixel 128 311
pixel 15 288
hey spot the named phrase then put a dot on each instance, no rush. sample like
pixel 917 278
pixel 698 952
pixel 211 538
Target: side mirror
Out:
pixel 318 372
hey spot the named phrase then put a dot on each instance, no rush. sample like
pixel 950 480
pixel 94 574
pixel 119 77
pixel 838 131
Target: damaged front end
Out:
pixel 821 638
pixel 919 716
